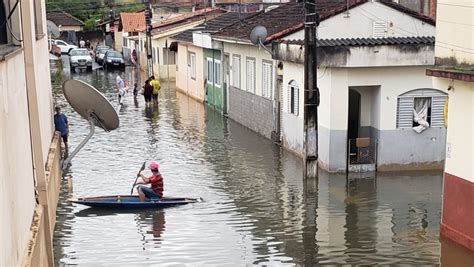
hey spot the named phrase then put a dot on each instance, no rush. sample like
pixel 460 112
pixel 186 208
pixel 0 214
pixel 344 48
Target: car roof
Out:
pixel 80 49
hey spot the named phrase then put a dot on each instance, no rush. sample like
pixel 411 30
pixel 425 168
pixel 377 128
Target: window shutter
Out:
pixel 437 111
pixel 296 99
pixel 405 112
pixel 380 29
pixel 288 100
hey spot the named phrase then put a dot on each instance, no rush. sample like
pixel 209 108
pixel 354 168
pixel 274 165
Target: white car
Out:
pixel 65 47
pixel 80 58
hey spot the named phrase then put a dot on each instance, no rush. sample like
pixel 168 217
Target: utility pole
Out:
pixel 311 91
pixel 149 54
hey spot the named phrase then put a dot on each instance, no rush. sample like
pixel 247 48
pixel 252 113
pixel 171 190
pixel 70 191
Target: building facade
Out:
pixel 454 72
pixel 30 153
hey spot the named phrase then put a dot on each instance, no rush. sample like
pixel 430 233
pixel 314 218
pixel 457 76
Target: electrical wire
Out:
pixel 10 14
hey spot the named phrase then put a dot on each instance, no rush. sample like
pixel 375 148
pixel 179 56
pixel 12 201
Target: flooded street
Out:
pixel 257 208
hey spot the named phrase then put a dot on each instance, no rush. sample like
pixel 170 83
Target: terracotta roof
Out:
pixel 368 41
pixel 409 11
pixel 213 25
pixel 61 18
pixel 133 22
pixel 285 19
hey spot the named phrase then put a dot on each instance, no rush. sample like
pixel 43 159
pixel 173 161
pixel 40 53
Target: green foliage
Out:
pixel 89 25
pixel 90 11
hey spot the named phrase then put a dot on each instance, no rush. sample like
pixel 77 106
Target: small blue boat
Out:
pixel 129 202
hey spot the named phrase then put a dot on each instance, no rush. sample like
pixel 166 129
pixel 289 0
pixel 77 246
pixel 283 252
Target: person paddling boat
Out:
pixel 156 181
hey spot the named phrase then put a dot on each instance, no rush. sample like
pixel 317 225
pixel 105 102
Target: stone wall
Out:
pixel 250 110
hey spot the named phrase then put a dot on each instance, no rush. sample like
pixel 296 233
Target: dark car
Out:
pixel 113 59
pixel 100 52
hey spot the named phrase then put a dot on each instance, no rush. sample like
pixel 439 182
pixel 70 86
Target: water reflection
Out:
pixel 258 210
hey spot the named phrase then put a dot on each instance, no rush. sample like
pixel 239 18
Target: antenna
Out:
pixel 92 106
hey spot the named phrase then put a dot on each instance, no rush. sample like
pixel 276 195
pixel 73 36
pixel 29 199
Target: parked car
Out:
pixel 113 59
pixel 100 52
pixel 65 47
pixel 80 58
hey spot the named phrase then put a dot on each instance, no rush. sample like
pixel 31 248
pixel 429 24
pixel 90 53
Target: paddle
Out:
pixel 138 175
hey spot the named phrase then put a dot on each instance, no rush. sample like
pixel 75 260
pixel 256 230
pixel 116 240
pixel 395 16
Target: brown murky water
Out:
pixel 257 208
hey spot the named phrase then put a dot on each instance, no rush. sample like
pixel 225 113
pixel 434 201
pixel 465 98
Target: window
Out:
pixel 421 109
pixel 192 64
pixel 267 78
pixel 38 19
pixel 209 71
pixel 293 98
pixel 251 75
pixel 236 71
pixel 217 73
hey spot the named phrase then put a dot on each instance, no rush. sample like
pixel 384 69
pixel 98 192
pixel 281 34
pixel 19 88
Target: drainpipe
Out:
pixel 29 40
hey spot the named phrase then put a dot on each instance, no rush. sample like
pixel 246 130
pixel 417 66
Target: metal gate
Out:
pixel 362 155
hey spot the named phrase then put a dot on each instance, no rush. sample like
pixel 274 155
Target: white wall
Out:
pixel 16 173
pixel 292 125
pixel 184 82
pixel 455 30
pixel 360 21
pixel 460 141
pixel 245 51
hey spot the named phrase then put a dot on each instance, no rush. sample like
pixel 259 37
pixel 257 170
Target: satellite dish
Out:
pixel 53 29
pixel 89 102
pixel 92 106
pixel 258 35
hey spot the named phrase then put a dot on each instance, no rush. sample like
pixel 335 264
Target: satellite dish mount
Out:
pixel 92 106
pixel 258 35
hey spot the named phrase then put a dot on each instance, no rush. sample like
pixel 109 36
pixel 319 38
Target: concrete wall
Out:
pixel 292 125
pixel 252 111
pixel 16 171
pixel 26 115
pixel 360 24
pixel 184 83
pixel 71 28
pixel 454 33
pixel 163 71
pixel 118 41
pixel 460 141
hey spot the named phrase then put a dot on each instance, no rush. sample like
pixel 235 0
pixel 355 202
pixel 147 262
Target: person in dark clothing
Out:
pixel 147 91
pixel 135 90
pixel 61 125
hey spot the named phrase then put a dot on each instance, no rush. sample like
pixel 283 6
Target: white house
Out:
pixel 163 49
pixel 29 149
pixel 200 60
pixel 363 85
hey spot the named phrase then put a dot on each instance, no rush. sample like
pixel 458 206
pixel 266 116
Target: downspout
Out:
pixel 29 39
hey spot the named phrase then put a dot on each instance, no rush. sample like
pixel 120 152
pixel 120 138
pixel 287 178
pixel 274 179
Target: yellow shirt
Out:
pixel 156 86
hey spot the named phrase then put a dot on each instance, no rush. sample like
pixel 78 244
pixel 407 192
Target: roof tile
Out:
pixel 133 22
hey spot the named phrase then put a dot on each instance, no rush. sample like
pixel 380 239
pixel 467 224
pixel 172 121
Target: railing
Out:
pixel 362 154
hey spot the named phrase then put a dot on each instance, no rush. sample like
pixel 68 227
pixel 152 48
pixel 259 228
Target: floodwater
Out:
pixel 257 209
